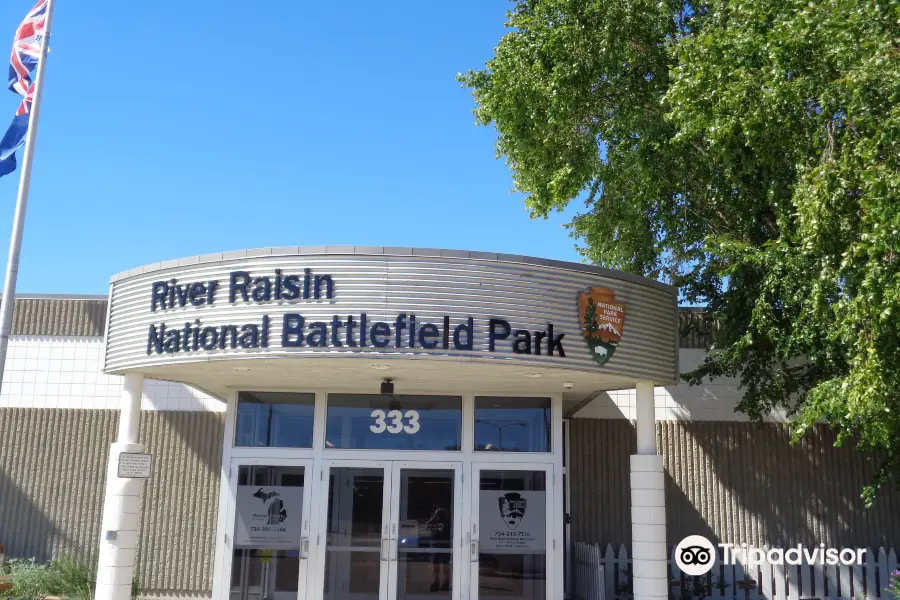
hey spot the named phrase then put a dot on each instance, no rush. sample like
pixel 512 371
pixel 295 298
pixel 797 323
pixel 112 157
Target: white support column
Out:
pixel 122 502
pixel 645 414
pixel 648 503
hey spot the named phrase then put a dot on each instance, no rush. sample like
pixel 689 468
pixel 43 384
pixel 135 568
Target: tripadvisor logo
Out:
pixel 695 555
pixel 602 322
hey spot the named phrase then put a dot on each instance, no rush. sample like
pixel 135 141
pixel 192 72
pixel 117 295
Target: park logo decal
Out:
pixel 512 509
pixel 602 322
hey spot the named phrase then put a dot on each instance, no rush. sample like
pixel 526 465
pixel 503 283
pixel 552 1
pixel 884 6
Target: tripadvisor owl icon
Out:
pixel 695 555
pixel 602 322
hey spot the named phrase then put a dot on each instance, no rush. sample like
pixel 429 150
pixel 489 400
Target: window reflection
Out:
pixel 512 424
pixel 353 540
pixel 425 555
pixel 393 422
pixel 275 419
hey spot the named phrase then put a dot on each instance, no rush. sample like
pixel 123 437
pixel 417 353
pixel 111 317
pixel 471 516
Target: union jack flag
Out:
pixel 26 48
pixel 26 52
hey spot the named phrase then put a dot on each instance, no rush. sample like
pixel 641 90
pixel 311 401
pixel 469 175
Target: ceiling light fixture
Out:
pixel 534 375
pixel 379 367
pixel 241 368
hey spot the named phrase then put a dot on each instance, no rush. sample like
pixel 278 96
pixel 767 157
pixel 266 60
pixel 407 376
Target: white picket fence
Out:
pixel 606 575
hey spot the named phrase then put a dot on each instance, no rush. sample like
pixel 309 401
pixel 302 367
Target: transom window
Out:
pixel 275 420
pixel 393 422
pixel 505 424
pixel 389 422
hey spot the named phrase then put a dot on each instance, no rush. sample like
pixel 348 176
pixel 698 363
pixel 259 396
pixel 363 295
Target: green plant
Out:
pixel 28 578
pixel 70 577
pixel 894 587
pixel 747 152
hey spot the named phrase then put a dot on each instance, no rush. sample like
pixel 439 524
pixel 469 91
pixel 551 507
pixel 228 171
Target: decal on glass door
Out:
pixel 269 516
pixel 513 522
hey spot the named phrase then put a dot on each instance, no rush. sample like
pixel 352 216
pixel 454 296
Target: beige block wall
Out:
pixel 732 482
pixel 52 477
pixel 52 468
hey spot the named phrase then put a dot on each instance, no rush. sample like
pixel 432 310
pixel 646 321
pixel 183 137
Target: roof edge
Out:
pixel 394 251
pixel 26 296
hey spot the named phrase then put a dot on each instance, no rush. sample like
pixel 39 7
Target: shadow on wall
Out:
pixel 52 479
pixel 599 478
pixel 683 516
pixel 752 486
pixel 600 485
pixel 24 529
pixel 603 406
pixel 732 482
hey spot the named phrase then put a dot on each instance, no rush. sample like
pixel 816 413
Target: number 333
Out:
pixel 396 421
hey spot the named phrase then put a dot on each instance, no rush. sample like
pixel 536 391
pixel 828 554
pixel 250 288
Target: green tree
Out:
pixel 748 152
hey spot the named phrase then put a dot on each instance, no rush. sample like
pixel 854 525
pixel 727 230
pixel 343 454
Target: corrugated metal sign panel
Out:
pixel 529 293
pixel 87 318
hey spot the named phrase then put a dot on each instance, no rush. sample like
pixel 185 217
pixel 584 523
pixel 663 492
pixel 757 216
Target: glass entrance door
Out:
pixel 391 530
pixel 425 499
pixel 270 530
pixel 511 532
pixel 357 518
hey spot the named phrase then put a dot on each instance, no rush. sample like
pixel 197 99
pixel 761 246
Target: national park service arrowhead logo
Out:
pixel 512 509
pixel 602 322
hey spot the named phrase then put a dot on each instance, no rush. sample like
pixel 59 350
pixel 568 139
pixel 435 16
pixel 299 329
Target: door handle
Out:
pixel 474 546
pixel 385 549
pixel 394 548
pixel 304 547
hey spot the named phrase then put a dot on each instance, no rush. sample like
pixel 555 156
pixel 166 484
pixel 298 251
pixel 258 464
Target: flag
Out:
pixel 26 53
pixel 26 50
pixel 15 135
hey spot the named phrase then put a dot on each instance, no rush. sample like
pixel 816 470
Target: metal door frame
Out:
pixel 474 522
pixel 390 515
pixel 231 515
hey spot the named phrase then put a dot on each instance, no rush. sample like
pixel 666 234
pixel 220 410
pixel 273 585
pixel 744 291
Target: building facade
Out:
pixel 390 423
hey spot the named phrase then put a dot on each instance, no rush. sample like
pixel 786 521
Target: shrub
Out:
pixel 894 587
pixel 28 579
pixel 71 577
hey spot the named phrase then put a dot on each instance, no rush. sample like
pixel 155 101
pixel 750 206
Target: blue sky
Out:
pixel 232 126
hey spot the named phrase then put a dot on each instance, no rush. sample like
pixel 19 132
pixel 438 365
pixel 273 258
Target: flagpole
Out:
pixel 15 241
